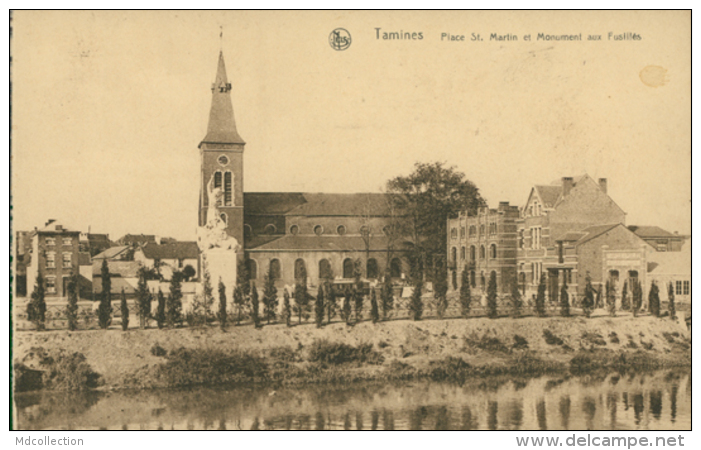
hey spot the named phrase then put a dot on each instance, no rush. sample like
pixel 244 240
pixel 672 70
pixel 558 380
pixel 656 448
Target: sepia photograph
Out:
pixel 351 220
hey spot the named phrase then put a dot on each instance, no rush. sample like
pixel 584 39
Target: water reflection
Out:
pixel 655 401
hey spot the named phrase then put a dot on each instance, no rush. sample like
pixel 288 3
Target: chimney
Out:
pixel 567 183
pixel 603 185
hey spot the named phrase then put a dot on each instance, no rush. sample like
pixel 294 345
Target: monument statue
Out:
pixel 213 234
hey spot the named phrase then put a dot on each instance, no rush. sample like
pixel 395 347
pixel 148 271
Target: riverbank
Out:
pixel 453 349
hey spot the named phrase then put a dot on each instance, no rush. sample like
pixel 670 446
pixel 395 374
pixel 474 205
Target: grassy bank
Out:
pixel 452 350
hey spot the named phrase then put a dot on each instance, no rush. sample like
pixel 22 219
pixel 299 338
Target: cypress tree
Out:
pixel 239 301
pixel 124 310
pixel 347 308
pixel 36 308
pixel 637 296
pixel 672 306
pixel 465 294
pixel 330 301
pixel 611 297
pixel 440 290
pixel 286 309
pixel 564 300
pixel 387 297
pixel 625 300
pixel 516 301
pixel 222 305
pixel 207 291
pixel 540 298
pixel 269 297
pixel 654 300
pixel 143 299
pixel 492 296
pixel 599 303
pixel 374 312
pixel 358 297
pixel 161 309
pixel 302 298
pixel 416 305
pixel 319 307
pixel 104 312
pixel 255 305
pixel 588 300
pixel 174 302
pixel 72 307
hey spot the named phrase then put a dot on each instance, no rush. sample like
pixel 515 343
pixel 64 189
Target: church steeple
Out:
pixel 222 127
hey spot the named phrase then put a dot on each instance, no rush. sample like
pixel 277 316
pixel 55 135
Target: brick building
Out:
pixel 55 255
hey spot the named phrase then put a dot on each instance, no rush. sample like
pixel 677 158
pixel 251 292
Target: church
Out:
pixel 295 234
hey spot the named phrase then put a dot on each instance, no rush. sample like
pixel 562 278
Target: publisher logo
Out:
pixel 340 39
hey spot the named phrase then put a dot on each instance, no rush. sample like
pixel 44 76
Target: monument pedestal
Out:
pixel 221 264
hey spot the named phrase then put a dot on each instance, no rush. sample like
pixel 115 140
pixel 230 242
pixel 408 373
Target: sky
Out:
pixel 108 108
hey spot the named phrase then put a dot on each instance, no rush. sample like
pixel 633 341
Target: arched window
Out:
pixel 482 252
pixel 300 269
pixel 614 275
pixel 493 251
pixel 347 268
pixel 252 268
pixel 247 230
pixel 294 229
pixel 270 229
pixel 325 272
pixel 453 254
pixel 223 218
pixel 218 183
pixel 462 254
pixel 633 274
pixel 472 253
pixel 318 230
pixel 275 269
pixel 365 230
pixel 371 268
pixel 228 182
pixel 395 268
pixel 341 230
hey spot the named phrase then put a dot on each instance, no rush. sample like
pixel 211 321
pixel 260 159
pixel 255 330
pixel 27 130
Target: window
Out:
pixel 252 267
pixel 50 241
pixel 365 230
pixel 294 229
pixel 453 254
pixel 223 160
pixel 493 251
pixel 228 181
pixel 300 269
pixel 482 230
pixel 217 179
pixel 482 252
pixel 492 229
pixel 462 232
pixel 347 268
pixel 613 274
pixel 472 231
pixel 180 263
pixel 396 268
pixel 275 270
pixel 371 268
pixel 318 230
pixel 678 287
pixel 51 285
pixel 67 259
pixel 536 233
pixel 50 260
pixel 325 271
pixel 687 287
pixel 462 254
pixel 472 278
pixel 341 230
pixel 633 274
pixel 67 241
pixel 270 229
pixel 520 238
pixel 453 233
pixel 661 247
pixel 224 218
pixel 472 253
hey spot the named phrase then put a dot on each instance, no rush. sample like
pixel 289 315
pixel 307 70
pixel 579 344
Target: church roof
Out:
pixel 315 204
pixel 291 242
pixel 222 127
pixel 175 250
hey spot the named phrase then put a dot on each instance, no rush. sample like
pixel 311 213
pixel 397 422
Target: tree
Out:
pixel 330 301
pixel 387 296
pixel 599 304
pixel 36 308
pixel 124 310
pixel 302 307
pixel 104 312
pixel 440 289
pixel 358 296
pixel 611 296
pixel 270 300
pixel 416 305
pixel 374 313
pixel 72 307
pixel 319 307
pixel 189 272
pixel 516 301
pixel 564 300
pixel 540 298
pixel 346 312
pixel 426 198
pixel 174 303
pixel 239 303
pixel 654 299
pixel 161 309
pixel 143 299
pixel 492 296
pixel 588 300
pixel 625 300
pixel 255 304
pixel 637 289
pixel 286 309
pixel 222 305
pixel 672 306
pixel 207 290
pixel 465 294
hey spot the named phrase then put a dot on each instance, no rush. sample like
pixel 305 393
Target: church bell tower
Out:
pixel 221 157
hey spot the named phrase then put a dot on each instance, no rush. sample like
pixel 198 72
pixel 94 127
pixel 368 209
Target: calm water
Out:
pixel 654 401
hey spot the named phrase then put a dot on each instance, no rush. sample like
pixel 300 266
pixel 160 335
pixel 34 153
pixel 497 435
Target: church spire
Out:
pixel 222 127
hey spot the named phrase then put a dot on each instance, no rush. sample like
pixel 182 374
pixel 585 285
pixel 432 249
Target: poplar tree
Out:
pixel 465 294
pixel 416 305
pixel 174 302
pixel 347 308
pixel 302 297
pixel 161 309
pixel 358 297
pixel 672 306
pixel 654 299
pixel 239 302
pixel 611 297
pixel 207 291
pixel 492 296
pixel 286 308
pixel 625 300
pixel 516 301
pixel 440 290
pixel 124 310
pixel 330 301
pixel 104 312
pixel 588 300
pixel 72 307
pixel 36 308
pixel 222 305
pixel 255 315
pixel 143 299
pixel 270 300
pixel 387 297
pixel 374 312
pixel 637 296
pixel 540 298
pixel 564 300
pixel 319 307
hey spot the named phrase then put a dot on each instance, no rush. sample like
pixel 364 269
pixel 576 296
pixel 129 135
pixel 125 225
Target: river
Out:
pixel 649 401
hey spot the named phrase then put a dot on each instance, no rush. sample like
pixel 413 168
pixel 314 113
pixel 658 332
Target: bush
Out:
pixel 551 339
pixel 486 343
pixel 449 369
pixel 593 338
pixel 520 342
pixel 187 367
pixel 338 353
pixel 157 350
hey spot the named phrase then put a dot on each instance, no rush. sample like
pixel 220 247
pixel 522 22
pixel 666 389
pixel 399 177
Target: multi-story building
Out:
pixel 55 255
pixel 483 243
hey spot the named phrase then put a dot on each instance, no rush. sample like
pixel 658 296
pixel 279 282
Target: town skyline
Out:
pixel 316 120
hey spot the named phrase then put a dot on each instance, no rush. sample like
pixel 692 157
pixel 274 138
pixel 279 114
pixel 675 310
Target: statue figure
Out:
pixel 213 234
